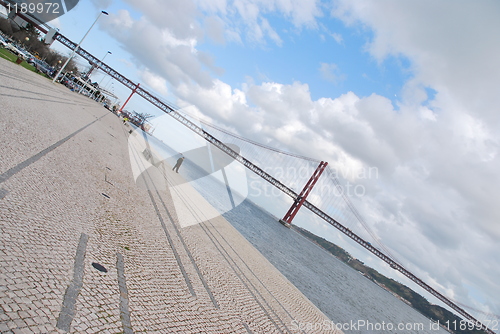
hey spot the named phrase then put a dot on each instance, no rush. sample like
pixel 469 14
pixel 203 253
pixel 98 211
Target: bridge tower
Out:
pixel 287 219
pixel 130 96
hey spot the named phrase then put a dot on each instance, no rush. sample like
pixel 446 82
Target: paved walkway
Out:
pixel 84 249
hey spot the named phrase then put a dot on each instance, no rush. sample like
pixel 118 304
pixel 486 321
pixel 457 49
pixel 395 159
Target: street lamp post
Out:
pixel 99 84
pixel 76 48
pixel 92 68
pixel 64 76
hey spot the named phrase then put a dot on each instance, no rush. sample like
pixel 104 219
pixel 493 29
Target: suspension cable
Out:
pixel 267 147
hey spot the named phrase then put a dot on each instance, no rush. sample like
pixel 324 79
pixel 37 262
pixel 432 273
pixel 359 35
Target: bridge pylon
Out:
pixel 287 219
pixel 130 96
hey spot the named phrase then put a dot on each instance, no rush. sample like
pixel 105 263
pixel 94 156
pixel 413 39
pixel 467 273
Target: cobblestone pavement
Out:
pixel 83 249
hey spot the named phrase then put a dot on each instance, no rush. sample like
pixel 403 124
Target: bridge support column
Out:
pixel 287 220
pixel 131 94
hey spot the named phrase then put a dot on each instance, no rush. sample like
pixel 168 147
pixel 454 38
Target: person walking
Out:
pixel 178 164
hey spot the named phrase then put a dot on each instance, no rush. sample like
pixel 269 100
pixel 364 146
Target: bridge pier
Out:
pixel 287 219
pixel 131 94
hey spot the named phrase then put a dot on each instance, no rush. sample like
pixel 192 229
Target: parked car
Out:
pixel 12 48
pixel 24 54
pixel 42 66
pixel 36 55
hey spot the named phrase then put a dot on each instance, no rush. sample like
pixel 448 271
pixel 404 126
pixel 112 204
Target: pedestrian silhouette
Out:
pixel 178 164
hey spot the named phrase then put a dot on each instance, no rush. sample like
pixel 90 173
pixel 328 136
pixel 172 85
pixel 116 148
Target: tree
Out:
pixel 6 26
pixel 31 30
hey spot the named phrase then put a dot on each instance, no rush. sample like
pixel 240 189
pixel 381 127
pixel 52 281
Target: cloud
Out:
pixel 156 82
pixel 179 17
pixel 338 38
pixel 266 28
pixel 450 43
pixel 331 72
pixel 158 50
pixel 102 4
pixel 215 29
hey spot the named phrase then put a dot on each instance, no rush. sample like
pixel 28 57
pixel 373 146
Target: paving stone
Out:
pixel 3 327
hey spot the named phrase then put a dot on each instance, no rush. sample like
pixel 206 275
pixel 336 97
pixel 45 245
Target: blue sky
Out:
pixel 408 87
